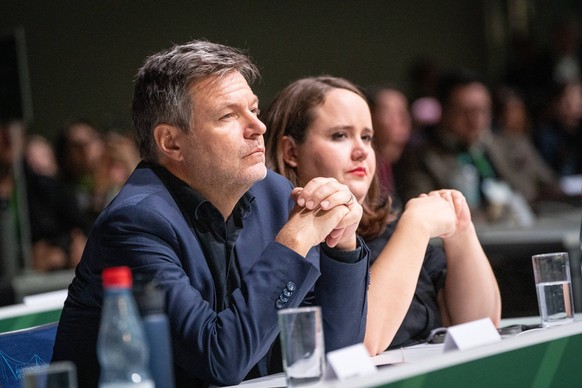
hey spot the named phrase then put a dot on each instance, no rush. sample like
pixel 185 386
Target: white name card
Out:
pixel 471 334
pixel 351 361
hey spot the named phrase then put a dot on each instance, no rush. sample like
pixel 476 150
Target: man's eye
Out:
pixel 256 111
pixel 228 116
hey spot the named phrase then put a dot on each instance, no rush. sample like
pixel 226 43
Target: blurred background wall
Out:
pixel 81 56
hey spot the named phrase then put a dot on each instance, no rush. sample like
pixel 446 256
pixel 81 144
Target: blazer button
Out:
pixel 283 299
pixel 279 304
pixel 287 293
pixel 291 286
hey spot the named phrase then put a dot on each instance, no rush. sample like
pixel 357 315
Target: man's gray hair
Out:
pixel 162 86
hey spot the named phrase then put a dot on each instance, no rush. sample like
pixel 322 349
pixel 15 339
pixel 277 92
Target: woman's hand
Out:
pixel 462 211
pixel 432 212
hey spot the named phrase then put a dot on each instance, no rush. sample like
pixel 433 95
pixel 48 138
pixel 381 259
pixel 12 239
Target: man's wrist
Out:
pixel 350 245
pixel 291 241
pixel 342 255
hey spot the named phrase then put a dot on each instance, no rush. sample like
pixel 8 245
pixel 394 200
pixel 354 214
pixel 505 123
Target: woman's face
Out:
pixel 339 143
pixel 570 106
pixel 392 124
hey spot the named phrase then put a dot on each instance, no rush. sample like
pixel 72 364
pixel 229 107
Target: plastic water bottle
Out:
pixel 151 302
pixel 122 348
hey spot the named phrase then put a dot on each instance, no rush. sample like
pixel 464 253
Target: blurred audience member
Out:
pixel 14 232
pixel 512 122
pixel 426 113
pixel 119 159
pixel 40 156
pixel 559 138
pixel 425 109
pixel 565 55
pixel 392 128
pixel 46 228
pixel 535 71
pixel 510 116
pixel 80 147
pixel 463 152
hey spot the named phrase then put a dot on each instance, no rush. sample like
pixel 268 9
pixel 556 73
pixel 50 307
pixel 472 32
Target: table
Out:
pixel 536 358
pixel 541 357
pixel 35 310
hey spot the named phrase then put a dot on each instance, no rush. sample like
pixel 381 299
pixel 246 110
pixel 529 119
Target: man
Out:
pixel 229 242
pixel 464 153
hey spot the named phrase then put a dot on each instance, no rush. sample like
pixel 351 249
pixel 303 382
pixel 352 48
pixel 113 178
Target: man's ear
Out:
pixel 167 138
pixel 288 150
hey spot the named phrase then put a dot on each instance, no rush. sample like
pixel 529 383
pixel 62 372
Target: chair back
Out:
pixel 20 349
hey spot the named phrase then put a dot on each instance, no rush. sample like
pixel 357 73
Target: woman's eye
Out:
pixel 256 111
pixel 339 136
pixel 368 138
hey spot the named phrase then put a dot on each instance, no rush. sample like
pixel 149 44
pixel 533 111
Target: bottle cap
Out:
pixel 116 277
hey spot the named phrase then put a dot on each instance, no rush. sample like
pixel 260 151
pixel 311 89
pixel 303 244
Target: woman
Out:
pixel 321 126
pixel 392 131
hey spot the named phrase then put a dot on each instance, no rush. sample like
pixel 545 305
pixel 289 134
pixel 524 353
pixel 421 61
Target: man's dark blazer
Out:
pixel 144 229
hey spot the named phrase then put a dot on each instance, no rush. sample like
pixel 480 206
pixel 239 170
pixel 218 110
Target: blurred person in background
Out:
pixel 119 159
pixel 79 149
pixel 392 129
pixel 425 110
pixel 40 156
pixel 536 70
pixel 464 153
pixel 14 228
pixel 559 136
pixel 95 165
pixel 562 61
pixel 425 113
pixel 512 123
pixel 41 215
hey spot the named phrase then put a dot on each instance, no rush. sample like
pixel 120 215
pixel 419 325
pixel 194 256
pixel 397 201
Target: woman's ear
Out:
pixel 167 138
pixel 288 149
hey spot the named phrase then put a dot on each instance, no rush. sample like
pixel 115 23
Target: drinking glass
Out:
pixel 62 374
pixel 554 288
pixel 302 345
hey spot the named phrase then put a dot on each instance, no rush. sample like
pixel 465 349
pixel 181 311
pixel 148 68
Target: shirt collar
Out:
pixel 193 205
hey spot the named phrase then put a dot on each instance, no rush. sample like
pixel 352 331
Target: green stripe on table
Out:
pixel 29 320
pixel 548 364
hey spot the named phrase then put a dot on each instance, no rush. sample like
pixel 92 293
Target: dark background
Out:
pixel 81 56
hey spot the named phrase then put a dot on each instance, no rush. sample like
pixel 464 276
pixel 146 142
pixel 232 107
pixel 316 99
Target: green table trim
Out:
pixel 549 364
pixel 29 320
